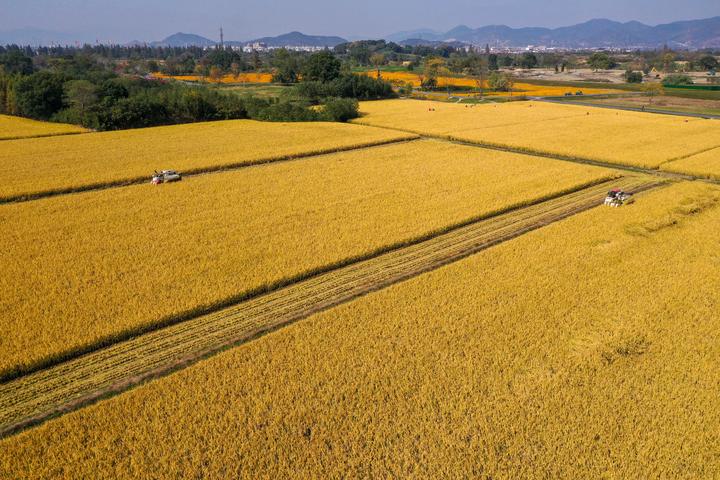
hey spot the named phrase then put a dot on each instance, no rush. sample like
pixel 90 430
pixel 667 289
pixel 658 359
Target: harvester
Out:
pixel 617 198
pixel 166 176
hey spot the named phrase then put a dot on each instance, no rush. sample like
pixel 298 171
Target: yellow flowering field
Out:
pixel 18 127
pixel 247 77
pixel 76 162
pixel 705 164
pixel 118 260
pixel 564 353
pixel 619 137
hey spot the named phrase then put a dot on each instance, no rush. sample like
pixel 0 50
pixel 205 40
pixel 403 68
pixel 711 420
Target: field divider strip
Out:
pixel 42 135
pixel 36 397
pixel 193 172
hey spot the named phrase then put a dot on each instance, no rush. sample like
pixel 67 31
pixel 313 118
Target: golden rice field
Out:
pixel 249 77
pixel 705 164
pixel 78 162
pixel 126 258
pixel 585 133
pixel 519 88
pixel 442 119
pixel 17 127
pixel 575 351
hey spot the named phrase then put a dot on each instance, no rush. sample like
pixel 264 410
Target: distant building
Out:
pixel 262 47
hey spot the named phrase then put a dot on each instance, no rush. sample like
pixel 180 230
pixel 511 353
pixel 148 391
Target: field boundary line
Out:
pixel 44 135
pixel 68 386
pixel 21 198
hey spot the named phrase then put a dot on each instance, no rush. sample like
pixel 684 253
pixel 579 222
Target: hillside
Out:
pixel 703 33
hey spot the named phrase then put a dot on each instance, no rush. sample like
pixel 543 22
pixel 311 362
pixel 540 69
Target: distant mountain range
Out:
pixel 184 40
pixel 286 40
pixel 601 33
pixel 297 38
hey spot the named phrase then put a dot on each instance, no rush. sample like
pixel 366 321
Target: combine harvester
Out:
pixel 617 198
pixel 166 176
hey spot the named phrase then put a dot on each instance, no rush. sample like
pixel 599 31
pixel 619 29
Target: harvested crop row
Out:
pixel 564 353
pixel 58 164
pixel 126 259
pixel 584 133
pixel 17 127
pixel 41 394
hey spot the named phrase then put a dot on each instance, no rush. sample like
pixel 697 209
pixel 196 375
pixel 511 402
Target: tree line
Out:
pixel 85 90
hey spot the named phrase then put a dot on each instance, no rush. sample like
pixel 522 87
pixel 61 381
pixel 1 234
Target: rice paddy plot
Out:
pixel 123 260
pixel 17 127
pixel 73 163
pixel 39 395
pixel 564 353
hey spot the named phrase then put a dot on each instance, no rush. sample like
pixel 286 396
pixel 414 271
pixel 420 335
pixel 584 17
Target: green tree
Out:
pixel 528 60
pixel 321 67
pixel 39 95
pixel 7 94
pixel 377 60
pixel 80 95
pixel 256 60
pixel 668 61
pixel 287 67
pixel 431 72
pixel 653 89
pixel 493 62
pixel 223 59
pixel 478 70
pixel 709 62
pixel 633 77
pixel 341 109
pixel 601 61
pixel 675 80
pixel 15 62
pixel 500 82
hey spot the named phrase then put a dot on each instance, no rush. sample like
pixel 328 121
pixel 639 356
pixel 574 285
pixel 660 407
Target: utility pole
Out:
pixel 222 40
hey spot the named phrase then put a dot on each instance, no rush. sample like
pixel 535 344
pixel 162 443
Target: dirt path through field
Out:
pixel 69 385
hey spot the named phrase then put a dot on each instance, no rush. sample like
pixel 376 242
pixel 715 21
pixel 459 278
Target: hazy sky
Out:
pixel 126 20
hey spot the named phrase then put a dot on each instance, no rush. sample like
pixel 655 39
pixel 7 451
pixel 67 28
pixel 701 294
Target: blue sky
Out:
pixel 126 20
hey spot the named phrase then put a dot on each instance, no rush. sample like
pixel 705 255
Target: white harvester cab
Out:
pixel 617 198
pixel 166 176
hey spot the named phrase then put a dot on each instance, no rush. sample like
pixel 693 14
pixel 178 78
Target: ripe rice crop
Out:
pixel 564 353
pixel 528 89
pixel 77 162
pixel 585 133
pixel 443 119
pixel 17 127
pixel 128 258
pixel 705 164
